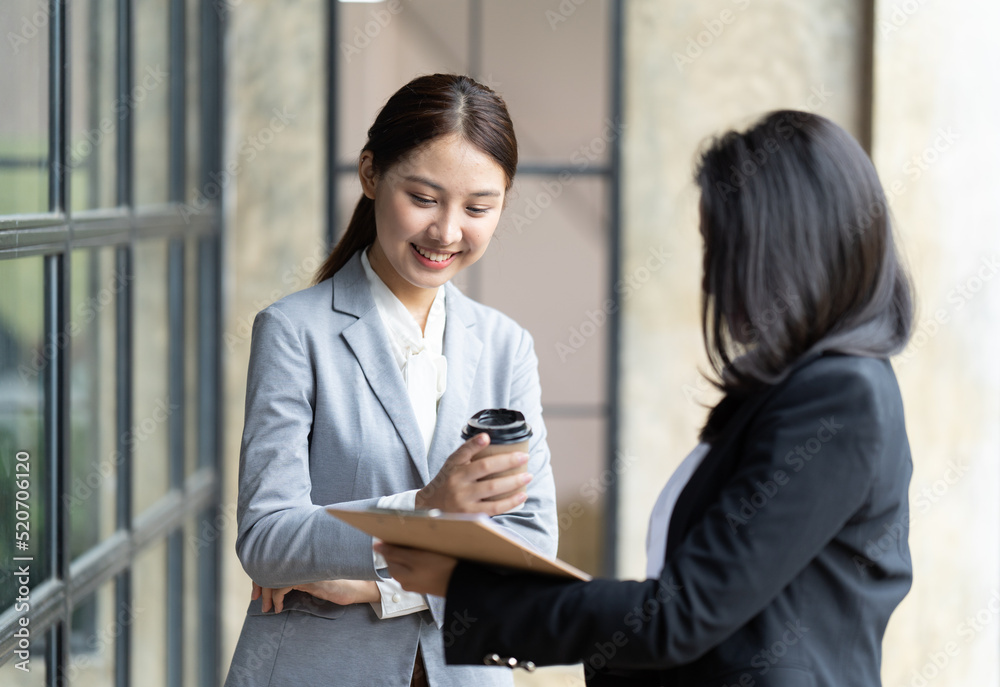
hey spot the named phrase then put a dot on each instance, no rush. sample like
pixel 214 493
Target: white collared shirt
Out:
pixel 420 356
pixel 659 519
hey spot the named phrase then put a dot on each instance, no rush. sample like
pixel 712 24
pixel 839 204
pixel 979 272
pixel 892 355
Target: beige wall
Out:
pixel 934 75
pixel 937 100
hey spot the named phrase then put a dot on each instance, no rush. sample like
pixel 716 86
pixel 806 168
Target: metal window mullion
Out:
pixel 175 608
pixel 178 100
pixel 58 110
pixel 209 452
pixel 332 100
pixel 176 430
pixel 92 162
pixel 56 381
pixel 123 340
pixel 123 400
pixel 56 307
pixel 866 76
pixel 123 59
pixel 210 342
pixel 475 60
pixel 614 271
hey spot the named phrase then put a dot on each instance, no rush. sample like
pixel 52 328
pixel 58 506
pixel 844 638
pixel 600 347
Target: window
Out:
pixel 109 360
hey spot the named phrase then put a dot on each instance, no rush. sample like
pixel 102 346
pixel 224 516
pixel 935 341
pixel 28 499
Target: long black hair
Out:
pixel 427 107
pixel 799 255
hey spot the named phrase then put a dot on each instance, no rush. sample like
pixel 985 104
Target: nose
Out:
pixel 447 227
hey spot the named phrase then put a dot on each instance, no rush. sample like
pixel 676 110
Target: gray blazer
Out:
pixel 328 421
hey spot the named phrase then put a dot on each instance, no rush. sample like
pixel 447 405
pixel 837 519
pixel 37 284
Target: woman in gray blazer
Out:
pixel 778 549
pixel 357 393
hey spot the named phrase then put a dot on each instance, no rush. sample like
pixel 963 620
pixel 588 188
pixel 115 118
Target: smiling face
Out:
pixel 435 213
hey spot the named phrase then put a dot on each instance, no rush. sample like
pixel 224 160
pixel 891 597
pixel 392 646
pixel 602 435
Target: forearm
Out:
pixel 302 544
pixel 578 618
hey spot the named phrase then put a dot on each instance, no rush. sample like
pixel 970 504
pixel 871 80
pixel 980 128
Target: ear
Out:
pixel 366 173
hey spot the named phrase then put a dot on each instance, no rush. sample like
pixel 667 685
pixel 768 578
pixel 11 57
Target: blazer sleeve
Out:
pixel 283 538
pixel 536 523
pixel 725 570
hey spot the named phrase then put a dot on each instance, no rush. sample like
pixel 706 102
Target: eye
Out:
pixel 422 201
pixel 477 210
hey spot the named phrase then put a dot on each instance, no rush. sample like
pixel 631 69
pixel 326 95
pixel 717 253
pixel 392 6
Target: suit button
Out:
pixel 492 659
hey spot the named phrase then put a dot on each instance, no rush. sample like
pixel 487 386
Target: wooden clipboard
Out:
pixel 471 537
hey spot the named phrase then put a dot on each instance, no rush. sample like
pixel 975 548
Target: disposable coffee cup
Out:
pixel 508 432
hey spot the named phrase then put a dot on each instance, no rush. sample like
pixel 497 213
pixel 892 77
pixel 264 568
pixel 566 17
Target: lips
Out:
pixel 431 258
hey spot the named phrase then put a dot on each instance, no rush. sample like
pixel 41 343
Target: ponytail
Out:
pixel 360 233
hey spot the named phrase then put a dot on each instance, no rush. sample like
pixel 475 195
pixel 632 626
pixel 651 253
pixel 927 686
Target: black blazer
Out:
pixel 787 553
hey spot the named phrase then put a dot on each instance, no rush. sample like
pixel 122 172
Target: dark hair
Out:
pixel 427 107
pixel 799 255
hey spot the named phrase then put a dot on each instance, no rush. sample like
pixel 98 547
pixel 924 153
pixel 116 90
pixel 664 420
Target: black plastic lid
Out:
pixel 504 426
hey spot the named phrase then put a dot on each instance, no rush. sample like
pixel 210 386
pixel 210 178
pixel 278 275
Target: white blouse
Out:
pixel 659 519
pixel 420 356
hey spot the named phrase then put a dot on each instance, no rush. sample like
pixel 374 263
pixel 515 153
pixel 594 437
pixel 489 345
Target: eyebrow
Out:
pixel 438 187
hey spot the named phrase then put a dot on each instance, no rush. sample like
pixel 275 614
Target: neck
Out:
pixel 417 300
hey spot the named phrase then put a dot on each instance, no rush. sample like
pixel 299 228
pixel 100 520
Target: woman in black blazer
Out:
pixel 786 549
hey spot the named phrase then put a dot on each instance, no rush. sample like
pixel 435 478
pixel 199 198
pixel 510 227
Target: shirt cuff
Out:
pixel 396 601
pixel 406 500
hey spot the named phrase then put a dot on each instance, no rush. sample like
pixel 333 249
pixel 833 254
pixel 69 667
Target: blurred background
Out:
pixel 170 167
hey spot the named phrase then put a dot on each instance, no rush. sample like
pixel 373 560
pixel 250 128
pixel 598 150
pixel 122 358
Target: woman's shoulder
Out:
pixel 302 309
pixel 838 369
pixel 861 388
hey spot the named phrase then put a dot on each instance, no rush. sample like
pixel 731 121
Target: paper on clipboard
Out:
pixel 468 536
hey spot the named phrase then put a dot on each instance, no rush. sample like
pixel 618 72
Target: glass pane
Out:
pixel 150 101
pixel 582 482
pixel 554 76
pixel 24 108
pixel 382 46
pixel 95 115
pixel 12 676
pixel 565 217
pixel 93 446
pixel 149 631
pixel 192 606
pixel 93 634
pixel 151 407
pixel 193 95
pixel 24 356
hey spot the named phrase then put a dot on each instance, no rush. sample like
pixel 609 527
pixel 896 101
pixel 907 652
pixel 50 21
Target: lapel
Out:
pixel 720 462
pixel 462 349
pixel 369 342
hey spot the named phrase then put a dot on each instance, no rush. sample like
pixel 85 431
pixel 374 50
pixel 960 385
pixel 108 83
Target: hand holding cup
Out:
pixel 488 473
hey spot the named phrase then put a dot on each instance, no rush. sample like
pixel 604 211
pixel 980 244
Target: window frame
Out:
pixel 55 235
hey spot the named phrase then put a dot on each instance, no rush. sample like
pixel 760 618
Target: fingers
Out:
pixel 505 504
pixel 278 597
pixel 265 604
pixel 500 487
pixel 399 558
pixel 417 570
pixel 255 592
pixel 501 462
pixel 470 448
